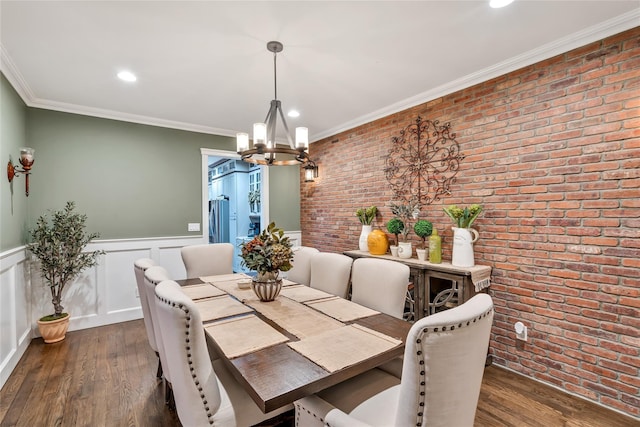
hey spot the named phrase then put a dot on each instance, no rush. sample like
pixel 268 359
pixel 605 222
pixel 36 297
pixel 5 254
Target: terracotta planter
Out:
pixel 54 330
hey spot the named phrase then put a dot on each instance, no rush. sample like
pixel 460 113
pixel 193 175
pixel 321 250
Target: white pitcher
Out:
pixel 463 246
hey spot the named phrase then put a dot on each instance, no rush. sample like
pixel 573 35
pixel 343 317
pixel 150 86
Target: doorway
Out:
pixel 234 200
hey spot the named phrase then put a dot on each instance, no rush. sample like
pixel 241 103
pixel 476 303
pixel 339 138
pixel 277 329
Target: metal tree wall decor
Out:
pixel 423 162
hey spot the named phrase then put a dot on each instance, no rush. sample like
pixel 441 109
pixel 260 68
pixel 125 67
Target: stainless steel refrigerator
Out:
pixel 219 221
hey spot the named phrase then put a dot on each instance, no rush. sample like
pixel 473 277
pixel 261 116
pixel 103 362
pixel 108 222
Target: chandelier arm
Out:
pixel 286 128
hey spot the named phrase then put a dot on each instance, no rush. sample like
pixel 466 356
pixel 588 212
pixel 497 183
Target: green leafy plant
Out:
pixel 58 243
pixel 269 251
pixel 463 218
pixel 366 216
pixel 423 229
pixel 395 226
pixel 407 212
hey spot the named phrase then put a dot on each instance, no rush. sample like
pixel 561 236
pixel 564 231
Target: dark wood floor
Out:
pixel 106 377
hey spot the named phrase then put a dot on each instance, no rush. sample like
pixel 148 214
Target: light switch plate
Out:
pixel 193 226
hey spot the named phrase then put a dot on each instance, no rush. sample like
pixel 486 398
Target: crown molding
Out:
pixel 597 32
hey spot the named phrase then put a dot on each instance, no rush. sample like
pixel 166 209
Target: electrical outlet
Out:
pixel 137 293
pixel 193 226
pixel 521 331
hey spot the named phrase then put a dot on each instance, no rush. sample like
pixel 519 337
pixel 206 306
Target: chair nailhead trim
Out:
pixel 421 361
pixel 189 355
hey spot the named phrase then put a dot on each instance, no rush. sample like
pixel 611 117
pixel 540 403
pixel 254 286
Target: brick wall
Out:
pixel 553 155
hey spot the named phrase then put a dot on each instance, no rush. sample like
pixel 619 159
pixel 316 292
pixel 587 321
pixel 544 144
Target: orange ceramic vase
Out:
pixel 378 242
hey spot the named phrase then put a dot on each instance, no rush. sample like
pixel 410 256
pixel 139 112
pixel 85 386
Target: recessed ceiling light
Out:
pixel 127 76
pixel 293 113
pixel 499 3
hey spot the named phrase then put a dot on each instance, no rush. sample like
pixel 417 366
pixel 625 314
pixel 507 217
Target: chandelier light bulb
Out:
pixel 302 138
pixel 242 141
pixel 259 135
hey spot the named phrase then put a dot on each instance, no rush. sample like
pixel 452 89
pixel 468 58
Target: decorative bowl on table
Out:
pixel 266 289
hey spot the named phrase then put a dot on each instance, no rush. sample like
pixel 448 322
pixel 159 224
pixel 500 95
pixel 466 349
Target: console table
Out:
pixel 465 281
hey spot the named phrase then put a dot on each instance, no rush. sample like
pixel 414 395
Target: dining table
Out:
pixel 304 341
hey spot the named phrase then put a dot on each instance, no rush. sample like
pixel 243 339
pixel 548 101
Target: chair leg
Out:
pixel 168 395
pixel 159 371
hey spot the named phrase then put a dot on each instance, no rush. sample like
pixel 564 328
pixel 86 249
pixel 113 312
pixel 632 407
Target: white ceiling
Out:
pixel 203 65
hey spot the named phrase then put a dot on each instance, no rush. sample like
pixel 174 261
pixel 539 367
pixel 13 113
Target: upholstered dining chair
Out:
pixel 443 367
pixel 380 284
pixel 330 272
pixel 207 259
pixel 301 270
pixel 139 267
pixel 204 391
pixel 153 276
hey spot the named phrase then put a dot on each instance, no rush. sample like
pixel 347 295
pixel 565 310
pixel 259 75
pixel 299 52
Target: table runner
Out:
pixel 302 293
pixel 219 307
pixel 231 287
pixel 204 290
pixel 348 345
pixel 224 277
pixel 341 309
pixel 480 276
pixel 293 317
pixel 255 335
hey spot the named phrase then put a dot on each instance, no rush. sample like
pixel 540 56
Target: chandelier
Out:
pixel 265 148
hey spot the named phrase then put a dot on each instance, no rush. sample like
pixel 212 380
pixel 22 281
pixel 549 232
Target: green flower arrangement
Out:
pixel 268 252
pixel 463 218
pixel 366 216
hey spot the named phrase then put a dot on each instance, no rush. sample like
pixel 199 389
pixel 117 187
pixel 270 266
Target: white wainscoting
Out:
pixel 15 310
pixel 101 296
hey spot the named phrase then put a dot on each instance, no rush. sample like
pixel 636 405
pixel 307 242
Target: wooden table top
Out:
pixel 278 375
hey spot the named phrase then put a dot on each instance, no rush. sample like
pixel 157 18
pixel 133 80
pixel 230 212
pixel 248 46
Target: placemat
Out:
pixel 287 282
pixel 341 309
pixel 223 277
pixel 336 349
pixel 255 335
pixel 295 318
pixel 302 293
pixel 219 307
pixel 204 290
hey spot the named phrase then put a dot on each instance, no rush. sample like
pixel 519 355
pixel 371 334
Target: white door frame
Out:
pixel 264 188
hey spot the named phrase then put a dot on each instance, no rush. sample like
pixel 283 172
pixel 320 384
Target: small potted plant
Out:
pixel 58 243
pixel 407 213
pixel 267 254
pixel 395 227
pixel 423 229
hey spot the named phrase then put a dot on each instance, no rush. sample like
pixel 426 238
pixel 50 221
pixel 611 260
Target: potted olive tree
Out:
pixel 58 242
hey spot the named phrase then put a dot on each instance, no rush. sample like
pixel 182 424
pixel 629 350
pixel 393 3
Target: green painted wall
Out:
pixel 284 196
pixel 13 202
pixel 132 180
